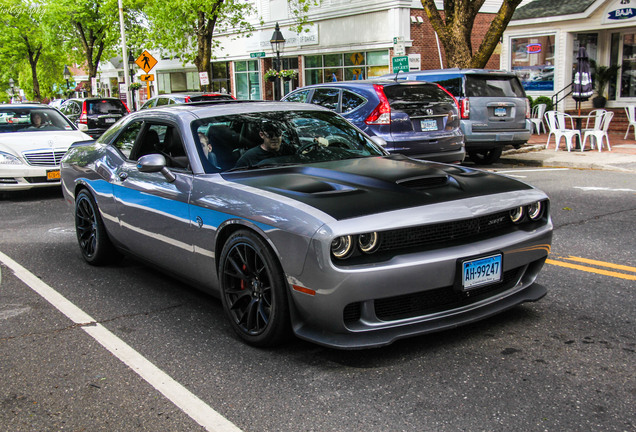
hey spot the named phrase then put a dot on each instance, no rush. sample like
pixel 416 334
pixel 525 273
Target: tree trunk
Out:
pixel 455 28
pixel 34 57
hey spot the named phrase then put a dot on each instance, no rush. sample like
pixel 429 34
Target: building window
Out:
pixel 347 66
pixel 246 77
pixel 628 70
pixel 220 81
pixel 533 61
pixel 180 81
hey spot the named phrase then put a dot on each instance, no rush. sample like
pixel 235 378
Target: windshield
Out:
pixel 30 119
pixel 260 140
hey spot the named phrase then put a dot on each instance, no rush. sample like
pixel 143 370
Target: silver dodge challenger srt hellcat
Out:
pixel 303 224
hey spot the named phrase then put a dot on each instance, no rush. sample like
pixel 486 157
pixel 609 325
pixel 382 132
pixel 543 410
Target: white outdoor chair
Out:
pixel 597 135
pixel 537 117
pixel 631 118
pixel 558 125
pixel 594 120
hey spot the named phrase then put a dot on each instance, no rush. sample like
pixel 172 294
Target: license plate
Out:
pixel 53 175
pixel 481 271
pixel 109 120
pixel 428 125
pixel 500 112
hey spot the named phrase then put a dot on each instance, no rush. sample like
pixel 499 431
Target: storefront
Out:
pixel 543 38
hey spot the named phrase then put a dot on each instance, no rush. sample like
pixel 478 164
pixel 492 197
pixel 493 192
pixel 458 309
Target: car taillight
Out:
pixel 125 106
pixel 528 109
pixel 187 99
pixel 464 108
pixel 382 113
pixel 84 116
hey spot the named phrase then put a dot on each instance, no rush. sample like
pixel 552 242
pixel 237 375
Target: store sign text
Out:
pixel 624 13
pixel 533 48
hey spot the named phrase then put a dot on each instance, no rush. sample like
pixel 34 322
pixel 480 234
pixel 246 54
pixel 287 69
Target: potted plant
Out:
pixel 288 74
pixel 134 86
pixel 602 76
pixel 271 75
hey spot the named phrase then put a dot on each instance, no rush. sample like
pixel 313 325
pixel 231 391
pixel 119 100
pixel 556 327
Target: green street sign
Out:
pixel 400 64
pixel 257 54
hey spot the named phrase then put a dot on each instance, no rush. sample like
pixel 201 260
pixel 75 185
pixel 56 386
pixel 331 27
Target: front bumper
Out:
pixel 374 305
pixel 24 177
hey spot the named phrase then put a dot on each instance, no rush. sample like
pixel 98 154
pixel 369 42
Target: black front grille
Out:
pixel 41 179
pixel 445 232
pixel 441 299
pixel 44 158
pixel 352 312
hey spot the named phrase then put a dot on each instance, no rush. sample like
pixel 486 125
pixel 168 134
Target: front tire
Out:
pixel 253 290
pixel 92 237
pixel 485 156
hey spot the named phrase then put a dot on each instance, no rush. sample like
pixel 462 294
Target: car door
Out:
pixel 154 211
pixel 72 110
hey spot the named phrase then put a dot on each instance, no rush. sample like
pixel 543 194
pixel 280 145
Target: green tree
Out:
pixel 456 26
pixel 21 41
pixel 185 29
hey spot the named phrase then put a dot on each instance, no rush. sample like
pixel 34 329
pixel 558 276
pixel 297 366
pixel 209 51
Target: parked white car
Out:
pixel 33 140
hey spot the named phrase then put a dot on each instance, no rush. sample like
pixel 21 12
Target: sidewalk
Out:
pixel 621 158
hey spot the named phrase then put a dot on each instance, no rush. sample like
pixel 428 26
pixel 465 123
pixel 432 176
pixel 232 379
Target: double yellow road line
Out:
pixel 563 262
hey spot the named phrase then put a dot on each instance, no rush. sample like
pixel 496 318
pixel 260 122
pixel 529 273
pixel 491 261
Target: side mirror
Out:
pixel 155 163
pixel 379 141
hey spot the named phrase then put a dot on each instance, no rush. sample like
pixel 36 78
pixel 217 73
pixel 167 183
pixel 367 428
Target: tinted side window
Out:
pixel 300 96
pixel 493 86
pixel 327 98
pixel 351 101
pixel 126 140
pixel 162 101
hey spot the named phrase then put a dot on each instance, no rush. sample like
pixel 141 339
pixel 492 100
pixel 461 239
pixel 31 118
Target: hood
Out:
pixel 358 187
pixel 18 142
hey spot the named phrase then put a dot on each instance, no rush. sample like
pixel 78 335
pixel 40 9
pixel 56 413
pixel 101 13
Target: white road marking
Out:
pixel 594 188
pixel 189 403
pixel 530 170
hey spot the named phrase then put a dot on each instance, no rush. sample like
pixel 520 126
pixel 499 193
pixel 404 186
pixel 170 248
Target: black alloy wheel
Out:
pixel 253 290
pixel 485 156
pixel 92 237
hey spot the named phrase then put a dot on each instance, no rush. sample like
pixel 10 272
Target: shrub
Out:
pixel 544 100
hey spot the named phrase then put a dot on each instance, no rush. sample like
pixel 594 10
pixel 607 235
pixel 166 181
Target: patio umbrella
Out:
pixel 582 84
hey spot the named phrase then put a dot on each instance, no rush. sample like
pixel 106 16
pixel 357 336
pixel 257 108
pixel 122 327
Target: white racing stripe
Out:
pixel 189 403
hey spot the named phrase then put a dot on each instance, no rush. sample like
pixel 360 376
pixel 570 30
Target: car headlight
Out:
pixel 368 242
pixel 341 247
pixel 535 211
pixel 9 159
pixel 516 214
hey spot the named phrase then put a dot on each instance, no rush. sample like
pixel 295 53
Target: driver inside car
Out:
pixel 269 148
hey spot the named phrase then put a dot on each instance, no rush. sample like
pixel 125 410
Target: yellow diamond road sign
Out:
pixel 146 61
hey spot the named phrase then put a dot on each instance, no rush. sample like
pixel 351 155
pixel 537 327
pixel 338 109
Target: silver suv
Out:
pixel 493 107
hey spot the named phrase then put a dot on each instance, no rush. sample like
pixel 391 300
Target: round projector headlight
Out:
pixel 368 242
pixel 341 247
pixel 535 211
pixel 516 215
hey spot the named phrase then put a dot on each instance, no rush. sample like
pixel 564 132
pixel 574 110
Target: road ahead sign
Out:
pixel 146 61
pixel 400 64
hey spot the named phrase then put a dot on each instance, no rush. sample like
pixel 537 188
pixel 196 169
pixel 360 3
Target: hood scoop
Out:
pixel 311 186
pixel 424 182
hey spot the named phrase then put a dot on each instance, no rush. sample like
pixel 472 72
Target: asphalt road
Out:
pixel 564 363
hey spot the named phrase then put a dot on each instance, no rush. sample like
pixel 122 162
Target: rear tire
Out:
pixel 254 290
pixel 92 237
pixel 485 156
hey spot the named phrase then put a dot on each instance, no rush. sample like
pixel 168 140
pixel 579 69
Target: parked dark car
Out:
pixel 321 232
pixel 179 98
pixel 493 107
pixel 94 116
pixel 416 119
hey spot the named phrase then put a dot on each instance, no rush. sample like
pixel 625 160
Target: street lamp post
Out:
pixel 131 65
pixel 278 44
pixel 67 76
pixel 11 86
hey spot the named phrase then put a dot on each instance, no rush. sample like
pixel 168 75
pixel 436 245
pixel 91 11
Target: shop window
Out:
pixel 348 66
pixel 628 70
pixel 247 80
pixel 533 61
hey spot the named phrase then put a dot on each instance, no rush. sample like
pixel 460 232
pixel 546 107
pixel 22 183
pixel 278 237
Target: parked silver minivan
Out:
pixel 493 106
